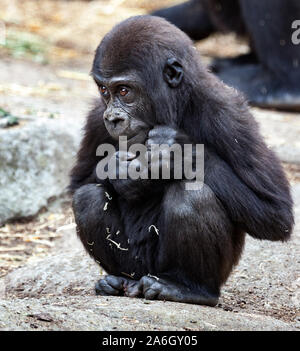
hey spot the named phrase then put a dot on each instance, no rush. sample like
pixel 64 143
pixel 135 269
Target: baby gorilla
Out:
pixel 153 237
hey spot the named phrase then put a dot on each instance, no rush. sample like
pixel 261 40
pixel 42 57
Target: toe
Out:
pixel 103 288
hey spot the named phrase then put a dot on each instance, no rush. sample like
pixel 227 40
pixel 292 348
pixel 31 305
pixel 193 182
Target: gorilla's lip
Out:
pixel 136 137
pixel 130 140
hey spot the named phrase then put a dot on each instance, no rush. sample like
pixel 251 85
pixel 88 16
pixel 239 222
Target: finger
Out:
pixel 115 282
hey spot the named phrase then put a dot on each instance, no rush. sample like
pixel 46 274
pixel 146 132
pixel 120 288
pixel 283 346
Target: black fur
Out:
pixel 200 233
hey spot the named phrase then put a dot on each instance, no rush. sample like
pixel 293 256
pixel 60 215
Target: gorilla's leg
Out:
pixel 220 64
pixel 196 250
pixel 274 82
pixel 98 221
pixel 102 233
pixel 190 17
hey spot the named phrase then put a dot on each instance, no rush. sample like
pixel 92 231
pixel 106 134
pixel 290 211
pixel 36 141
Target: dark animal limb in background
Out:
pixel 274 82
pixel 270 76
pixel 155 238
pixel 190 17
pixel 221 64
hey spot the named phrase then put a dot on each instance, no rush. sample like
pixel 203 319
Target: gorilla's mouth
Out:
pixel 138 138
pixel 132 136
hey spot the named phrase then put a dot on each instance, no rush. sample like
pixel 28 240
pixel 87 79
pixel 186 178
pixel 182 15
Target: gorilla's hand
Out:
pixel 126 163
pixel 166 135
pixel 162 135
pixel 135 175
pixel 129 183
pixel 166 152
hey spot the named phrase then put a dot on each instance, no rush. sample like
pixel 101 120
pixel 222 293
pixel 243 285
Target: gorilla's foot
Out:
pixel 153 288
pixel 261 87
pixel 220 64
pixel 118 286
pixel 160 289
pixel 190 17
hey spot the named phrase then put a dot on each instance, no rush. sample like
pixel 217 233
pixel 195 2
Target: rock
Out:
pixel 67 271
pixel 121 313
pixel 281 131
pixel 35 159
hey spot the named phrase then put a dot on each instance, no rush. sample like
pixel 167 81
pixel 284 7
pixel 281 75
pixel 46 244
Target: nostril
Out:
pixel 113 118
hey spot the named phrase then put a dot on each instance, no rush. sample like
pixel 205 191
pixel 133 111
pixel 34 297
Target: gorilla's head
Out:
pixel 144 69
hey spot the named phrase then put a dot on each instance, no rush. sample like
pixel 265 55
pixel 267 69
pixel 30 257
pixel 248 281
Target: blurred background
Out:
pixel 46 52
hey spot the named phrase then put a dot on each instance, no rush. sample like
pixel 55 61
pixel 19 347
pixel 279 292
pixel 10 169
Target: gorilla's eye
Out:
pixel 103 90
pixel 123 91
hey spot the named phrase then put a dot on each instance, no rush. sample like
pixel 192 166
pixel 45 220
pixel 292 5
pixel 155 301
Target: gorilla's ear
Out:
pixel 173 72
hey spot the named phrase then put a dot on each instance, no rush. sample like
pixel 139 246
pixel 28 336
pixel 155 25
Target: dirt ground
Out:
pixel 45 73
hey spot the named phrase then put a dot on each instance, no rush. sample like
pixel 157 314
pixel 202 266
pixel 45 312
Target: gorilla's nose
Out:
pixel 114 119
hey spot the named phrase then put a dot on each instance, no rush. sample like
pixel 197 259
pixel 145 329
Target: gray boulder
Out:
pixel 35 159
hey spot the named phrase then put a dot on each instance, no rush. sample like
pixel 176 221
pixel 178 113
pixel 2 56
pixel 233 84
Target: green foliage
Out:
pixel 3 113
pixel 26 45
pixel 10 119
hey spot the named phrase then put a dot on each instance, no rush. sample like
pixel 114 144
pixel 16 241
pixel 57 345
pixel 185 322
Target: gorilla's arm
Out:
pixel 250 180
pixel 251 212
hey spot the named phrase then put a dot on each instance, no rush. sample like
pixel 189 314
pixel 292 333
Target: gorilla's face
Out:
pixel 127 105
